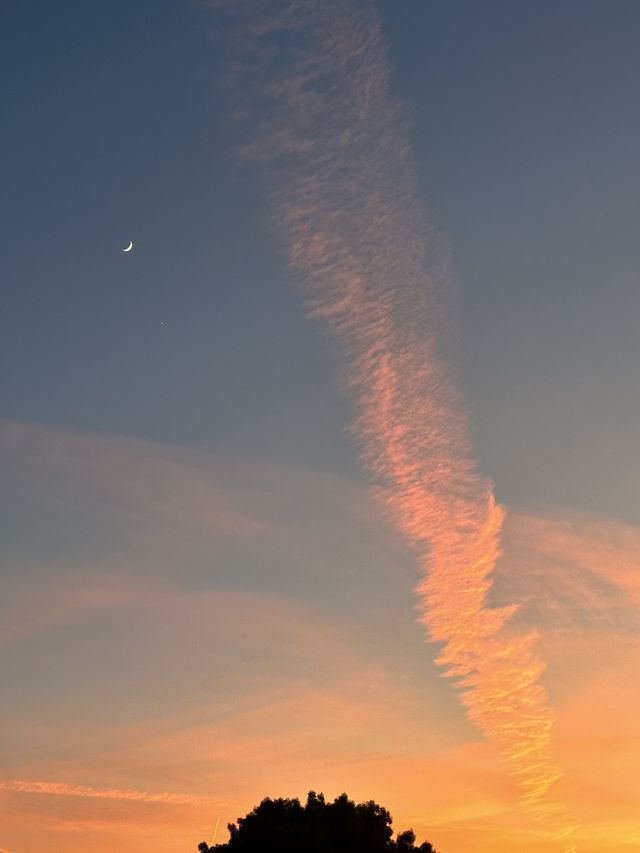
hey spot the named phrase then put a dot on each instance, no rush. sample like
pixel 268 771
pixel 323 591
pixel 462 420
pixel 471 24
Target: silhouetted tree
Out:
pixel 285 826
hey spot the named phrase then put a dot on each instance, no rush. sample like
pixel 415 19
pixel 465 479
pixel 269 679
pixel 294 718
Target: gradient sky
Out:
pixel 203 602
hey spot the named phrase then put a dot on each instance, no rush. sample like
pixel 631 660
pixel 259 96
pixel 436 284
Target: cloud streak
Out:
pixel 63 789
pixel 334 145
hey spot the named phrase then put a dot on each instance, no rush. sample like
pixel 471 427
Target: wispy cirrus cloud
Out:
pixel 576 577
pixel 133 484
pixel 334 146
pixel 63 789
pixel 574 565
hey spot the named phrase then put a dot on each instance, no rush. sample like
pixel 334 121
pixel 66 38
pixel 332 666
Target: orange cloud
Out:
pixel 344 195
pixel 577 579
pixel 62 789
pixel 584 562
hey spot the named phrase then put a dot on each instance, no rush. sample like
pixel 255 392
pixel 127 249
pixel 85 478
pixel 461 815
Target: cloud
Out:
pixel 35 607
pixel 334 145
pixel 61 789
pixel 577 578
pixel 573 566
pixel 144 485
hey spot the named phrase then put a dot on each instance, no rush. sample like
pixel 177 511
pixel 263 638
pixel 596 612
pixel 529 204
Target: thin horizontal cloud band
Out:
pixel 64 789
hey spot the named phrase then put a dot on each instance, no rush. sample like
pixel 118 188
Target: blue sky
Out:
pixel 525 140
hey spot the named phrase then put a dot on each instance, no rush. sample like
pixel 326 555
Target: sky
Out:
pixel 330 483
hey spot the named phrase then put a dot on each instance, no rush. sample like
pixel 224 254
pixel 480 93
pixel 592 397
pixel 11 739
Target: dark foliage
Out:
pixel 285 826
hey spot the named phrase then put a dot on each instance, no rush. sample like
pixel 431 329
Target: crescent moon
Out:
pixel 129 247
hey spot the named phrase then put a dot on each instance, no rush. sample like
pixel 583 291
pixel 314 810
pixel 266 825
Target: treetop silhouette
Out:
pixel 285 826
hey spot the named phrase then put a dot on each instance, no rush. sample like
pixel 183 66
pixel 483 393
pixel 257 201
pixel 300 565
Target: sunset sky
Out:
pixel 331 482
